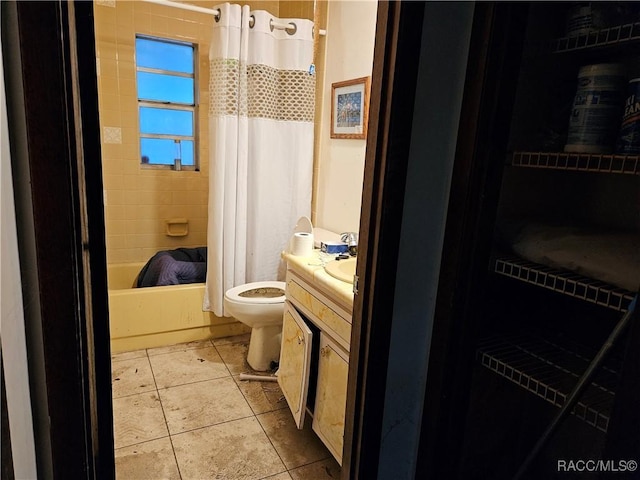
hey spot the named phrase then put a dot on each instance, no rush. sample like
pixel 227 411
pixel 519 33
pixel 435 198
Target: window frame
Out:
pixel 194 108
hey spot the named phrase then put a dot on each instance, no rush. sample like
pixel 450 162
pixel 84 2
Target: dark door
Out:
pixel 48 49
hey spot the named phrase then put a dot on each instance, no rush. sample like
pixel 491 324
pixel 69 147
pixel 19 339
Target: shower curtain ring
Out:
pixel 252 21
pixel 291 30
pixel 218 15
pixel 291 27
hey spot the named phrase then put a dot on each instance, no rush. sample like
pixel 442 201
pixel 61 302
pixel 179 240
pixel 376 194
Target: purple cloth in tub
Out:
pixel 174 267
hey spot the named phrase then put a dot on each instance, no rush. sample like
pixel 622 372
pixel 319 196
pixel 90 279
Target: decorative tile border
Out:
pixel 112 134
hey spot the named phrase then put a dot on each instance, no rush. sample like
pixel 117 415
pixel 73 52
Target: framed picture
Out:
pixel 350 108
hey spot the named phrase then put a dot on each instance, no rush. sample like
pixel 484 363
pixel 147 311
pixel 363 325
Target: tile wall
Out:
pixel 139 201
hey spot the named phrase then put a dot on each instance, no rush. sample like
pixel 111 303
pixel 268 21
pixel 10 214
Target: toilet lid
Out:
pixel 257 292
pixel 303 225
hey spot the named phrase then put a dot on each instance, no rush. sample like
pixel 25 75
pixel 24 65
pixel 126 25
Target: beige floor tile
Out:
pixel 202 404
pixel 131 376
pixel 138 418
pixel 179 347
pixel 323 470
pixel 152 460
pixel 279 476
pixel 262 396
pixel 237 450
pixel 295 447
pixel 129 355
pixel 235 358
pixel 244 339
pixel 187 366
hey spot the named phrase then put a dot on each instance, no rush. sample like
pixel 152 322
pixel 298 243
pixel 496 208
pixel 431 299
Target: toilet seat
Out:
pixel 234 294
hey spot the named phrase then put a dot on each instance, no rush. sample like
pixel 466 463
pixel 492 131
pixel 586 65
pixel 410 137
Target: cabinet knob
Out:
pixel 324 351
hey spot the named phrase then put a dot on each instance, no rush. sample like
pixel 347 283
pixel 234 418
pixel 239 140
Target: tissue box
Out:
pixel 334 247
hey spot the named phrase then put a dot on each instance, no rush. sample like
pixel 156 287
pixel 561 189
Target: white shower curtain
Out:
pixel 261 110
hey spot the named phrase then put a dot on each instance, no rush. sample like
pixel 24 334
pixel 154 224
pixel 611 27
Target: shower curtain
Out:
pixel 261 112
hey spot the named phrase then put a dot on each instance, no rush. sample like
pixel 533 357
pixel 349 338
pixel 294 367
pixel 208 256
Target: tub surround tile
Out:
pixel 133 376
pixel 237 450
pixel 295 447
pixel 181 347
pixel 128 355
pixel 323 470
pixel 202 404
pixel 235 358
pixel 112 134
pixel 148 460
pixel 187 366
pixel 262 397
pixel 138 418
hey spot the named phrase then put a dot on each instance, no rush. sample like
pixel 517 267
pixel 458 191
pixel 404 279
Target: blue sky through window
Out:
pixel 163 151
pixel 166 121
pixel 173 82
pixel 164 55
pixel 165 88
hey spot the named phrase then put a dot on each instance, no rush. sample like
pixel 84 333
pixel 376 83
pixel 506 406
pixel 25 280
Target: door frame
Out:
pixel 494 56
pixel 56 161
pixel 496 46
pixel 393 90
pixel 73 309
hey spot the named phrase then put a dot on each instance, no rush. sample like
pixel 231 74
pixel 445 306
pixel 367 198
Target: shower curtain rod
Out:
pixel 212 11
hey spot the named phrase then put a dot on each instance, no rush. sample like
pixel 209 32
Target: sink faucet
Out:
pixel 351 239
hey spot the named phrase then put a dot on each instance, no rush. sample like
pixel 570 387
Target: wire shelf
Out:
pixel 582 162
pixel 550 371
pixel 565 282
pixel 601 38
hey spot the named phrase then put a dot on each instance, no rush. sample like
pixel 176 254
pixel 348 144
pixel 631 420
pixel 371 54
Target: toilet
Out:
pixel 259 305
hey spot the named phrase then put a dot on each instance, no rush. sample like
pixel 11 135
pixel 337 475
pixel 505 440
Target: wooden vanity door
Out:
pixel 331 396
pixel 295 360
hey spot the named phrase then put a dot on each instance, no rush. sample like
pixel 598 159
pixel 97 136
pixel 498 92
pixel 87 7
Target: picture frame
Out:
pixel 350 108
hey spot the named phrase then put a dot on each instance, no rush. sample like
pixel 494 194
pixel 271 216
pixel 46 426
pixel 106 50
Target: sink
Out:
pixel 342 269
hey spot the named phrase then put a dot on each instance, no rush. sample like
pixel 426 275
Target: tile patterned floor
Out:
pixel 181 412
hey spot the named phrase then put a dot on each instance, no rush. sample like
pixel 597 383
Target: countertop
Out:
pixel 311 269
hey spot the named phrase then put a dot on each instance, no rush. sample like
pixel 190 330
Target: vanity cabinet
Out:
pixel 314 359
pixel 331 395
pixel 293 372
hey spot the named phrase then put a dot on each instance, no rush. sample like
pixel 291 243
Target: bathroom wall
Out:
pixel 138 201
pixel 340 162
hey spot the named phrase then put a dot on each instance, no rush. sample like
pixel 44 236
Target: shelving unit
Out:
pixel 564 282
pixel 550 371
pixel 606 37
pixel 566 210
pixel 582 162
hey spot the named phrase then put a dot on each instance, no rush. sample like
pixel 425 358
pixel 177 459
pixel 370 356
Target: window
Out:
pixel 166 102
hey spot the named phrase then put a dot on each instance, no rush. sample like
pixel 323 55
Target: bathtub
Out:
pixel 158 316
